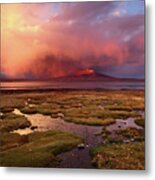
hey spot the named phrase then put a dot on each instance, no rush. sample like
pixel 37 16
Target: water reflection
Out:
pixel 45 123
pixel 30 85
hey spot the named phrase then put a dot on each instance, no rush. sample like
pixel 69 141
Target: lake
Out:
pixel 45 85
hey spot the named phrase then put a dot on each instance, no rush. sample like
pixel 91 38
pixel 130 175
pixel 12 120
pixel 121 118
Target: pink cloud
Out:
pixel 72 39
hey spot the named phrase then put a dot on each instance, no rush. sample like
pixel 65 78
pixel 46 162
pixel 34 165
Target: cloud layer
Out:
pixel 57 39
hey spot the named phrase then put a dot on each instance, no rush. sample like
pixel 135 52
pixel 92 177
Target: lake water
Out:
pixel 41 85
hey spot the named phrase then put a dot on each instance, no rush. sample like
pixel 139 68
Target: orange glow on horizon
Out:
pixel 86 72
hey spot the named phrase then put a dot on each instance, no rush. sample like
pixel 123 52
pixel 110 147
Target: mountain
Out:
pixel 91 75
pixel 80 76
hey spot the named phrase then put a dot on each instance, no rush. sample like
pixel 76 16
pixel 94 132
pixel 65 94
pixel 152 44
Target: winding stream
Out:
pixel 76 158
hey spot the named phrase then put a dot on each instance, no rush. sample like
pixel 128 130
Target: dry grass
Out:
pixel 119 156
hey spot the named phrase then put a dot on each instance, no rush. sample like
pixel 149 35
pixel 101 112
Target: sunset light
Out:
pixel 58 39
pixel 72 85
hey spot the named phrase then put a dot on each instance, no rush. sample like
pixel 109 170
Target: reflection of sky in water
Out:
pixel 72 85
pixel 75 158
pixel 45 123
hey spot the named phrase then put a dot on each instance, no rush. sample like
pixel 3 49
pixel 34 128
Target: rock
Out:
pixel 126 141
pixel 61 115
pixel 31 105
pixel 79 104
pixel 100 107
pixel 33 127
pixel 28 100
pixel 81 146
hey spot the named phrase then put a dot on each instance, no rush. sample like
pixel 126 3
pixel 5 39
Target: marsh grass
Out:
pixel 132 133
pixel 9 102
pixel 12 140
pixel 140 122
pixel 122 149
pixel 29 110
pixel 10 122
pixel 40 149
pixel 99 108
pixel 93 107
pixel 119 156
pixel 91 121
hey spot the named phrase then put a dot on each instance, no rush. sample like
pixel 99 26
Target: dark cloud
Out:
pixel 85 11
pixel 79 36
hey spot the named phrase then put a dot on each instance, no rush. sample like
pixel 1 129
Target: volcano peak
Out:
pixel 85 72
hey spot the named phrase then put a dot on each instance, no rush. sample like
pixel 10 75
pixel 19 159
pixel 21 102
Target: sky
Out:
pixel 49 40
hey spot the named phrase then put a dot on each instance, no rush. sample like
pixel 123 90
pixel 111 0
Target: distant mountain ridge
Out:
pixel 91 75
pixel 81 76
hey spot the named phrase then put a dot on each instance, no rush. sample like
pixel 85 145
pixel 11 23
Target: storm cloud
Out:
pixel 58 39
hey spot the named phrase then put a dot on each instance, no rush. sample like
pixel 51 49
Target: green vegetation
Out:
pixel 38 149
pixel 132 133
pixel 10 122
pixel 117 114
pixel 85 107
pixel 12 140
pixel 122 149
pixel 28 110
pixel 9 102
pixel 140 122
pixel 91 121
pixel 119 156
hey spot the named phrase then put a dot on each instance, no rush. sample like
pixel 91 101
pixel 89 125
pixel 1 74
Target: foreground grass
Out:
pixel 38 149
pixel 122 149
pixel 10 122
pixel 133 134
pixel 99 108
pixel 140 122
pixel 119 156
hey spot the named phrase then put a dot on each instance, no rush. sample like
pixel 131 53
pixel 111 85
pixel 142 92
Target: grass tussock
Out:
pixel 132 133
pixel 140 122
pixel 38 149
pixel 119 156
pixel 84 105
pixel 10 122
pixel 97 108
pixel 91 121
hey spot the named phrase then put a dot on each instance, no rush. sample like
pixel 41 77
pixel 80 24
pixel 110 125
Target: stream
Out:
pixel 76 158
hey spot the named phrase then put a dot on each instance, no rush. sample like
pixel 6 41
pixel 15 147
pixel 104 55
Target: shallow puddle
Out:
pixel 45 123
pixel 122 124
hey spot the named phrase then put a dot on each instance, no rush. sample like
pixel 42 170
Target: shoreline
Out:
pixel 6 91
